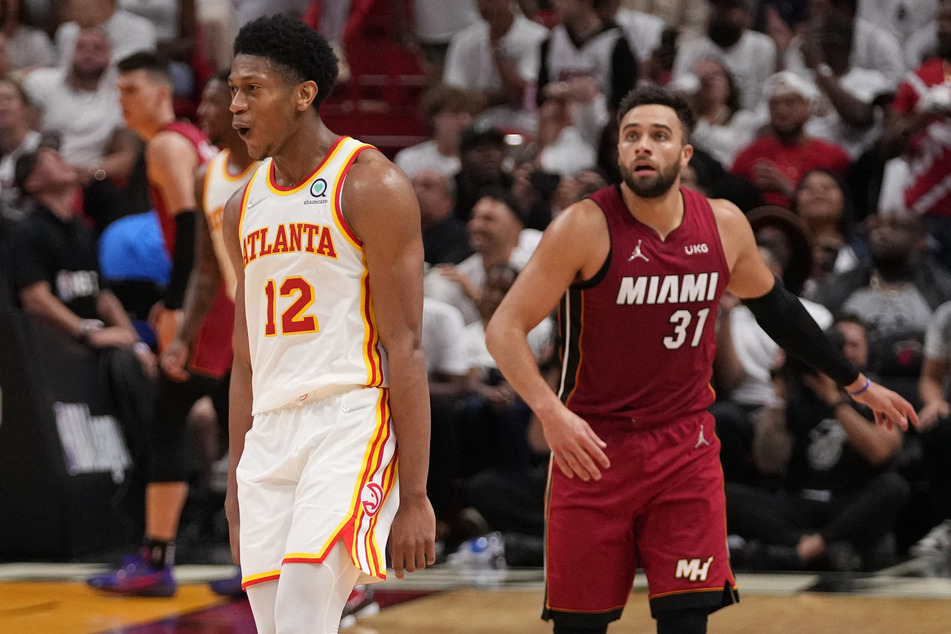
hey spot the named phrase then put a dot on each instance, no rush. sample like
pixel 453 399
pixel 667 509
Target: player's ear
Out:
pixel 686 155
pixel 305 94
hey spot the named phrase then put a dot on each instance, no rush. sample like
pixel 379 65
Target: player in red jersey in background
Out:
pixel 640 268
pixel 174 151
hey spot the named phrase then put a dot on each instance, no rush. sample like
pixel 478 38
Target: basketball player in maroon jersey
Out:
pixel 640 268
pixel 174 150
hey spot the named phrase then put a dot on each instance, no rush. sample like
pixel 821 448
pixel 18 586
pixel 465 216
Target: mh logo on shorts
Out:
pixel 372 498
pixel 693 569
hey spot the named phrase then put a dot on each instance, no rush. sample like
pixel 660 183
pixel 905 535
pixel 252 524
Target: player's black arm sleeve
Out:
pixel 788 323
pixel 183 256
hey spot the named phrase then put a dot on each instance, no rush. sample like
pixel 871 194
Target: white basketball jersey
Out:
pixel 307 290
pixel 219 185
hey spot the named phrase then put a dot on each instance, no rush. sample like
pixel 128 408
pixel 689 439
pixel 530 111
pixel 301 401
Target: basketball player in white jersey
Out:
pixel 326 244
pixel 215 181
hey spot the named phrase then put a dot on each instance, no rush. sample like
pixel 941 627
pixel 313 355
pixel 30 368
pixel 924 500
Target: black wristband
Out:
pixel 788 323
pixel 183 256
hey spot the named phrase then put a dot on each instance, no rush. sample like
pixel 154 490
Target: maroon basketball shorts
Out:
pixel 659 507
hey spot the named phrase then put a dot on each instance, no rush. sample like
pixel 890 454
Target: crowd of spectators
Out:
pixel 827 121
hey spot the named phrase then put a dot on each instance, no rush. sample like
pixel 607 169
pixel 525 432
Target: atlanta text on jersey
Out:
pixel 290 238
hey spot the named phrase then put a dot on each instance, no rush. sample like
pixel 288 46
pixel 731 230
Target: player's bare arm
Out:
pixel 573 249
pixel 380 206
pixel 239 414
pixel 199 294
pixel 171 163
pixel 787 322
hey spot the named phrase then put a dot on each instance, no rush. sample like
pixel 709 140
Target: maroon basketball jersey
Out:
pixel 211 352
pixel 638 338
pixel 205 151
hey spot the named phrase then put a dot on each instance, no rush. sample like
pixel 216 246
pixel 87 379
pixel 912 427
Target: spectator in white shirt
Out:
pixel 448 112
pixel 128 33
pixel 497 57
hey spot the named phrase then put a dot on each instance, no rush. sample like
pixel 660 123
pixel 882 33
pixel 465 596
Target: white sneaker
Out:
pixel 936 543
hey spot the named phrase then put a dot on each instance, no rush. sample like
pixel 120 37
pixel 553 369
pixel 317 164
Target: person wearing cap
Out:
pixel 52 261
pixel 776 161
pixel 750 55
pixel 482 156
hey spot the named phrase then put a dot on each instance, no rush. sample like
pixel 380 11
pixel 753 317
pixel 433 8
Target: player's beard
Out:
pixel 655 186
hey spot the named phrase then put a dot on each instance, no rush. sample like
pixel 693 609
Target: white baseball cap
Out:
pixel 788 83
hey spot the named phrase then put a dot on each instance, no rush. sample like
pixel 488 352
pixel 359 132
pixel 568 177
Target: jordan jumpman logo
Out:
pixel 638 253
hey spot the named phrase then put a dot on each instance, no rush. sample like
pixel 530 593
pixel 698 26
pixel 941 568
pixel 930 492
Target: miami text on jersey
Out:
pixel 668 289
pixel 289 238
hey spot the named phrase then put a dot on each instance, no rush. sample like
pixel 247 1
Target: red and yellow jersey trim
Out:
pixel 355 529
pixel 371 340
pixel 244 205
pixel 287 191
pixel 262 577
pixel 337 201
pixel 373 458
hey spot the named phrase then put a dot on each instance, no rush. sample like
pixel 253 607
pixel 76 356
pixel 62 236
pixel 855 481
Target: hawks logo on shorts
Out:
pixel 371 498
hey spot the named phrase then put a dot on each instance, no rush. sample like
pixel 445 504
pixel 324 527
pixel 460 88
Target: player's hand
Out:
pixel 413 536
pixel 164 323
pixel 889 407
pixel 234 522
pixel 173 360
pixel 933 412
pixel 577 449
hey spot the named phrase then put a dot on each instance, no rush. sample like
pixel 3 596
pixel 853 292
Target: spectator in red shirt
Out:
pixel 919 129
pixel 777 161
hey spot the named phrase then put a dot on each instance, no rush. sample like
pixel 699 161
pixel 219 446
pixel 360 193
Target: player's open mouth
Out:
pixel 644 168
pixel 243 131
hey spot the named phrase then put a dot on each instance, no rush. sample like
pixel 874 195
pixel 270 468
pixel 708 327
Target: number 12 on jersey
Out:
pixel 293 319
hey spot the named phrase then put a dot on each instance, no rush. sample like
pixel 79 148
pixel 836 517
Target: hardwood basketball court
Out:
pixel 52 599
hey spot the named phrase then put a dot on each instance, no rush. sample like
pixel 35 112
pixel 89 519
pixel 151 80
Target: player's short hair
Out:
pixel 297 50
pixel 655 95
pixel 155 64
